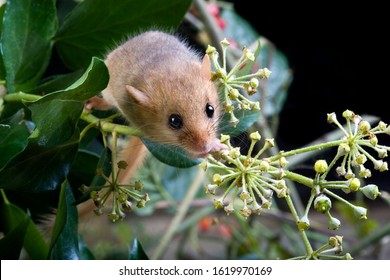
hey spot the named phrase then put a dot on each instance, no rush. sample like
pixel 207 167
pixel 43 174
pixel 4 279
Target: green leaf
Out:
pixel 170 155
pixel 49 155
pixel 137 252
pixel 39 169
pixel 27 31
pixel 93 26
pixel 85 253
pixel 13 138
pixel 2 70
pixel 64 243
pixel 93 81
pixel 12 217
pixel 11 244
pixel 247 118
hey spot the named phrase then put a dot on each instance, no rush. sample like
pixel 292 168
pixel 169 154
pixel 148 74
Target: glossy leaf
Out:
pixel 137 252
pixel 170 155
pixel 31 238
pixel 247 118
pixel 39 169
pixel 64 243
pixel 13 138
pixel 99 24
pixel 50 153
pixel 27 31
pixel 11 244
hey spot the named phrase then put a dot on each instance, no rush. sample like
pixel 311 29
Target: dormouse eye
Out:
pixel 209 110
pixel 175 121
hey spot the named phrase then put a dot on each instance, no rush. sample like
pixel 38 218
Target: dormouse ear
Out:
pixel 138 95
pixel 206 67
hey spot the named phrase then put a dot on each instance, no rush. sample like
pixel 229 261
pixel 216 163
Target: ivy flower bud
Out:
pixel 322 203
pixel 210 50
pixel 360 212
pixel 249 54
pixel 245 212
pixel 269 143
pixel 122 164
pixel 333 223
pixel 256 208
pixel 122 197
pixel 320 166
pixel 370 191
pixel 332 118
pixel 374 140
pixel 283 162
pixel 303 223
pixel 233 93
pixel 224 42
pixel 138 186
pixel 254 83
pixel 225 138
pixel 382 153
pixel 361 159
pixel 211 188
pixel 264 166
pixel 235 153
pixel 365 173
pixel 229 209
pixel 217 179
pixel 266 204
pixel 364 127
pixel 382 126
pixel 255 136
pixel 340 171
pixel 233 121
pixel 204 165
pixel 380 165
pixel 244 195
pixel 126 206
pixel 255 105
pixel 348 256
pixel 343 149
pixel 354 184
pixel 218 203
pixel 349 115
pixel 264 73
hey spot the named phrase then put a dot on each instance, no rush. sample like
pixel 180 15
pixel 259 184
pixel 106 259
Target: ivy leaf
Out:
pixel 39 169
pixel 99 24
pixel 11 244
pixel 46 161
pixel 137 252
pixel 27 31
pixel 13 138
pixel 170 155
pixel 21 230
pixel 64 242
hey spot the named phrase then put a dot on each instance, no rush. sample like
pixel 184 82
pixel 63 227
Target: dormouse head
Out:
pixel 179 105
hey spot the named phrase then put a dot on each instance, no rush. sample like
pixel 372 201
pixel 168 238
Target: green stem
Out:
pixel 309 149
pixel 306 242
pixel 178 219
pixel 21 96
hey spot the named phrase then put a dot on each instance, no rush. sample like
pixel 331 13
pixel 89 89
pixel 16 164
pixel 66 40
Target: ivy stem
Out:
pixel 306 242
pixel 178 219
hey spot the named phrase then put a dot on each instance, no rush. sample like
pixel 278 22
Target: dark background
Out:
pixel 340 60
pixel 339 57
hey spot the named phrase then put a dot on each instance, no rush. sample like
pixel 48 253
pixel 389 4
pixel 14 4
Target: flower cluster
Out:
pixel 359 136
pixel 249 182
pixel 120 195
pixel 233 84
